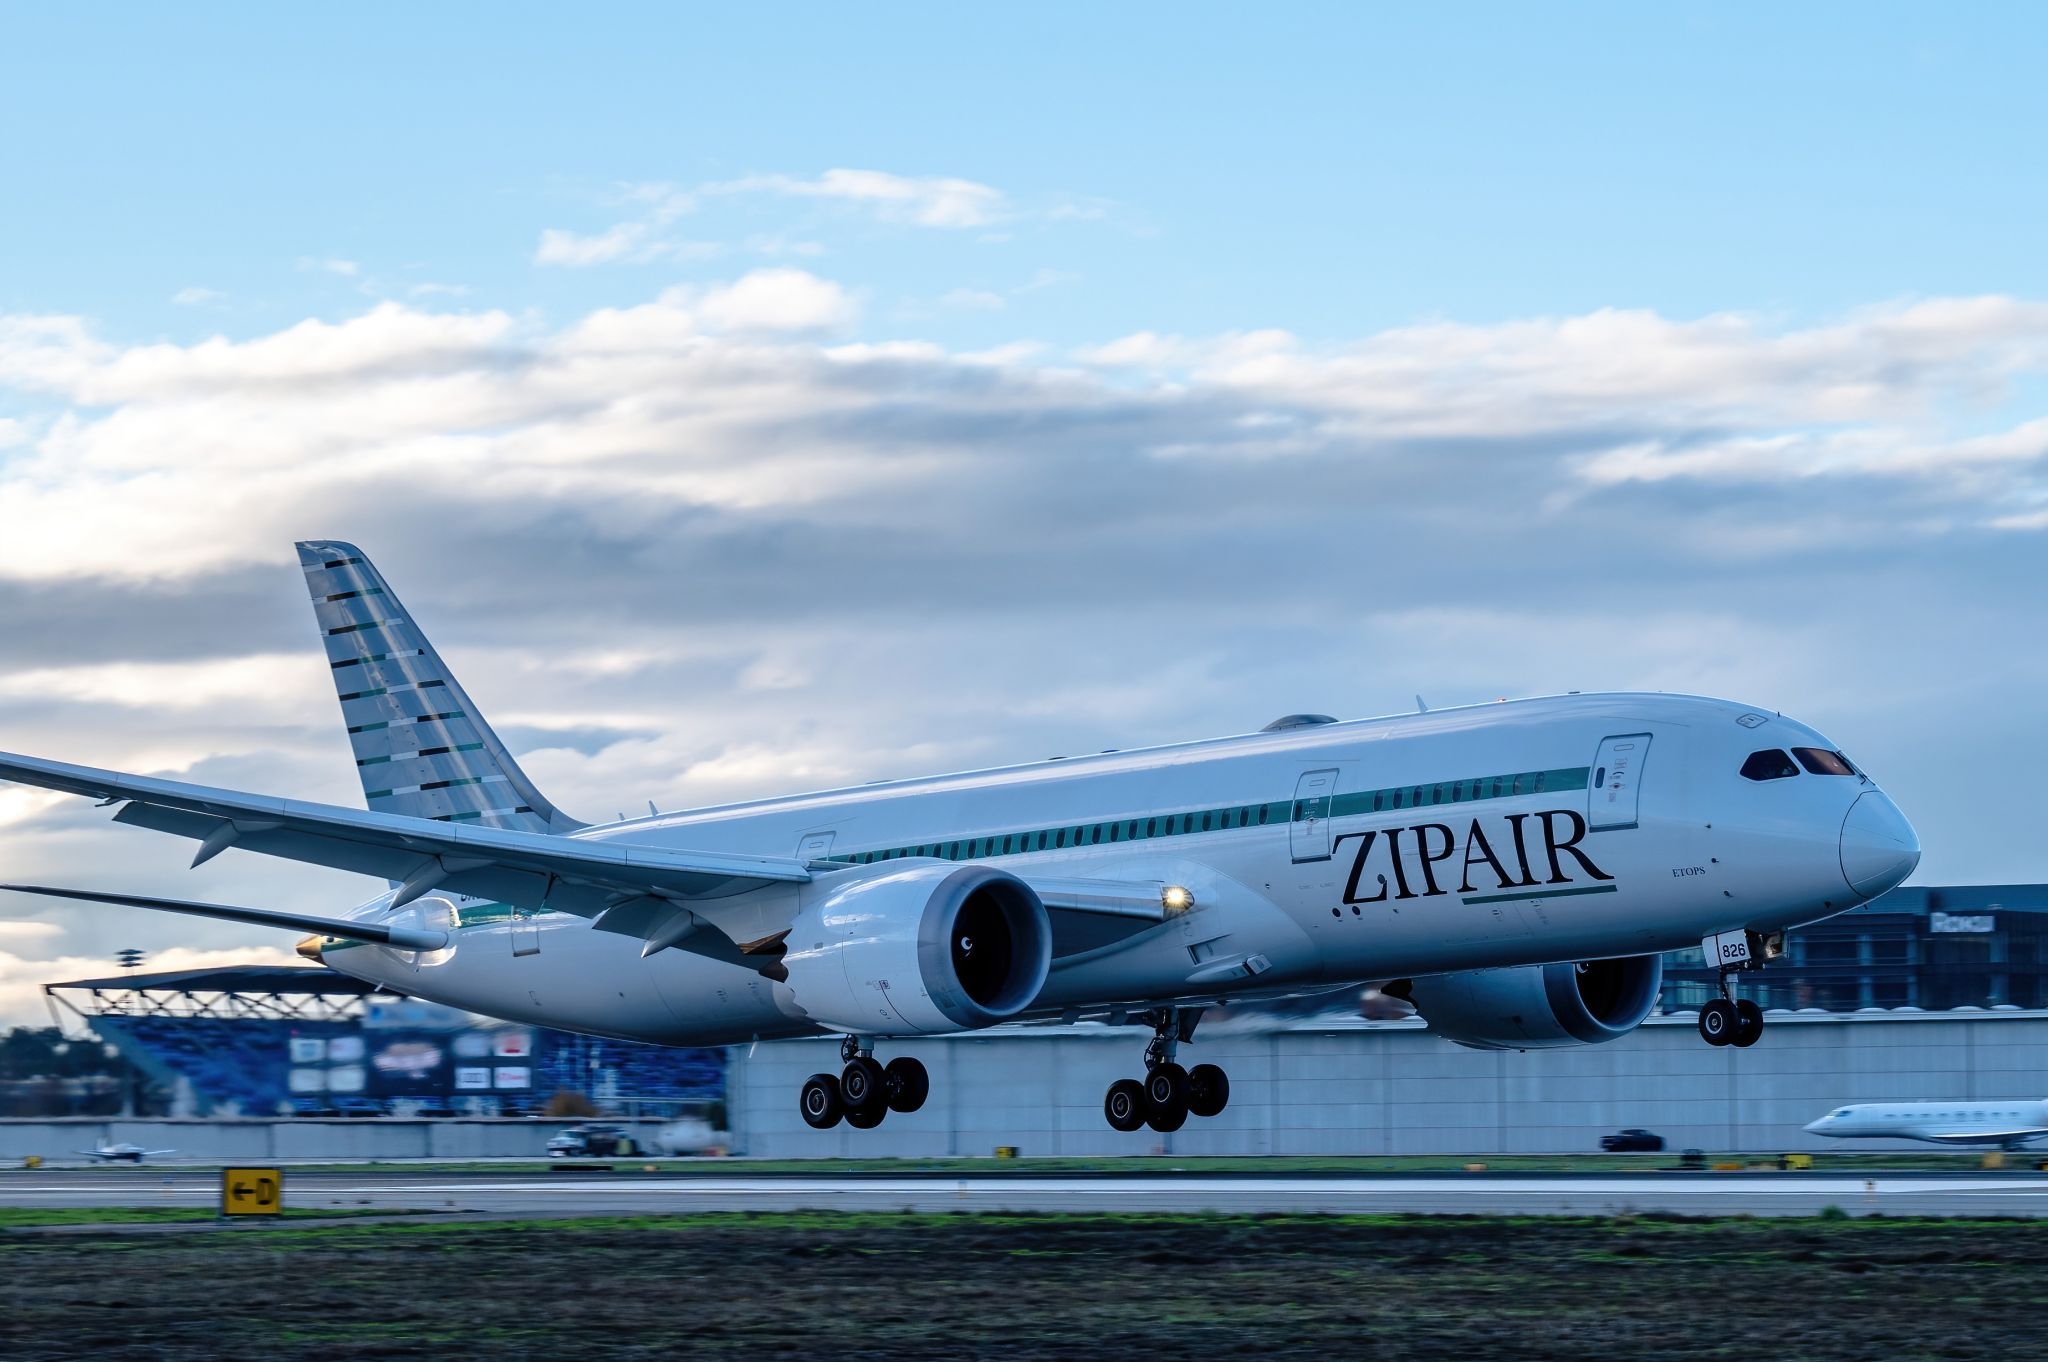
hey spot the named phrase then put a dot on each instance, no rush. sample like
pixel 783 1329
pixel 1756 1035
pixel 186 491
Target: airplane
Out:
pixel 1512 870
pixel 2008 1123
pixel 103 1152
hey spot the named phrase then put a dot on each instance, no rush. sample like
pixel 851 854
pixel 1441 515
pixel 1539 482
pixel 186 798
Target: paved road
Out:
pixel 564 1194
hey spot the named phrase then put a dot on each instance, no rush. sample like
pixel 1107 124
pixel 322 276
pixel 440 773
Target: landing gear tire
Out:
pixel 905 1084
pixel 1208 1090
pixel 819 1101
pixel 1719 1022
pixel 1749 1023
pixel 862 1084
pixel 867 1118
pixel 1125 1105
pixel 1166 1098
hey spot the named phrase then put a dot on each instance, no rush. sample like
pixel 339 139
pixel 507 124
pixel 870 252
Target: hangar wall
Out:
pixel 1394 1088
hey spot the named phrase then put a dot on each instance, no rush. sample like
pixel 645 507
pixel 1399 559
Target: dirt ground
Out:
pixel 1129 1288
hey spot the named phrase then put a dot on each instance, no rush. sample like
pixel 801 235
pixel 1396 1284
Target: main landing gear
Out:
pixel 864 1091
pixel 1169 1094
pixel 1729 1020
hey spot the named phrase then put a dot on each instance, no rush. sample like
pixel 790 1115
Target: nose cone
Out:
pixel 1879 847
pixel 1813 1127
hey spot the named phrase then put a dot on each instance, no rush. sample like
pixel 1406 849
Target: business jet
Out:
pixel 2008 1123
pixel 1511 870
pixel 103 1152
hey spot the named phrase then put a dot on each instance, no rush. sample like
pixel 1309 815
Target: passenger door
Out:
pixel 1612 794
pixel 1308 833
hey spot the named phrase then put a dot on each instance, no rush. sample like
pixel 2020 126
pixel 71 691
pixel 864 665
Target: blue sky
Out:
pixel 751 400
pixel 1330 169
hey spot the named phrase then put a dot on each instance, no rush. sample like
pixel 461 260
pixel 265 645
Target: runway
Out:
pixel 599 1194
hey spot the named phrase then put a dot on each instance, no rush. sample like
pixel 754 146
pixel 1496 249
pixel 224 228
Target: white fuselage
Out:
pixel 1567 828
pixel 2007 1122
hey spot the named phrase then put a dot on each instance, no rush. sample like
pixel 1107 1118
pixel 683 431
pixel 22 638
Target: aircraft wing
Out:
pixel 569 874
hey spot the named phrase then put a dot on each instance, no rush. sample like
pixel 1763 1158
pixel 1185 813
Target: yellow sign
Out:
pixel 251 1191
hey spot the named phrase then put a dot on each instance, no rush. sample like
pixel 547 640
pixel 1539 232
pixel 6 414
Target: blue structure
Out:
pixel 271 1040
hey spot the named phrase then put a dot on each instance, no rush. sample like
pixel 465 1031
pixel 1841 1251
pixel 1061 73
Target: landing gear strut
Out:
pixel 1729 1020
pixel 865 1090
pixel 1169 1094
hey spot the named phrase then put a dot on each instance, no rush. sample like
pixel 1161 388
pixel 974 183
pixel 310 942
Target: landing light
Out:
pixel 1176 899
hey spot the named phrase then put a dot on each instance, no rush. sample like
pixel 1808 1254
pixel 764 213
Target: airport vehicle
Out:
pixel 1512 870
pixel 1632 1141
pixel 589 1141
pixel 2010 1124
pixel 687 1135
pixel 102 1152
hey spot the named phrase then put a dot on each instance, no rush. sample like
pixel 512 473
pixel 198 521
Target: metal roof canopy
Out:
pixel 254 991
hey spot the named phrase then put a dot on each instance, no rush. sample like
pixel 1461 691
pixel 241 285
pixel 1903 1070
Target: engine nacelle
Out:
pixel 921 948
pixel 1538 1007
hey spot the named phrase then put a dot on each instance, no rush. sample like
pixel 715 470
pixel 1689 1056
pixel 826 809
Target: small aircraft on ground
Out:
pixel 2009 1123
pixel 122 1153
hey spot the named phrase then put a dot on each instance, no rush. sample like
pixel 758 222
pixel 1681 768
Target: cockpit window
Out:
pixel 1822 762
pixel 1769 764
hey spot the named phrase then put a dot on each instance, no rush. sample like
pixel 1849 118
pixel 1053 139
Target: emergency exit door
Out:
pixel 1309 832
pixel 1616 786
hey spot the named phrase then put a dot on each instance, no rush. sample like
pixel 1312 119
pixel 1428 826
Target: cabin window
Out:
pixel 1205 822
pixel 1822 762
pixel 1769 764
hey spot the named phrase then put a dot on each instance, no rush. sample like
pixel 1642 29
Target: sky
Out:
pixel 780 398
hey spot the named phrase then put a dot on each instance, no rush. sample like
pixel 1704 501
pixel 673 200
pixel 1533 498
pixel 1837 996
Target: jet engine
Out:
pixel 921 948
pixel 1537 1007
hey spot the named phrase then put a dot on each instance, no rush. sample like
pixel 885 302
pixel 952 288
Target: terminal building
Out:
pixel 1928 992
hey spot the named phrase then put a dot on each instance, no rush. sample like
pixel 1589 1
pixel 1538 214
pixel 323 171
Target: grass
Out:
pixel 1136 1287
pixel 20 1217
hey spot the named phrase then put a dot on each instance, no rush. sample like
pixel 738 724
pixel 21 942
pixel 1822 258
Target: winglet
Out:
pixel 422 748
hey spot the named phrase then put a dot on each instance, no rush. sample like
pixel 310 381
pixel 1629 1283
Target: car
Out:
pixel 359 1107
pixel 1632 1141
pixel 590 1141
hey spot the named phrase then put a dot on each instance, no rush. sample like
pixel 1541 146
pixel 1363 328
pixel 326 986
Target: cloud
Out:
pixel 194 296
pixel 924 201
pixel 777 300
pixel 632 243
pixel 723 543
pixel 643 236
pixel 23 931
pixel 347 269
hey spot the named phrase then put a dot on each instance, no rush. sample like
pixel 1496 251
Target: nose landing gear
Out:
pixel 1169 1093
pixel 865 1091
pixel 1729 1020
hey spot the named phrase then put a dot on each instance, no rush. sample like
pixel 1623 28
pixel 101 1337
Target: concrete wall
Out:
pixel 1355 1088
pixel 260 1141
pixel 1396 1089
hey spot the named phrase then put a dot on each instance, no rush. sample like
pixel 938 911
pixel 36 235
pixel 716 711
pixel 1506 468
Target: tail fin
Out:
pixel 421 747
